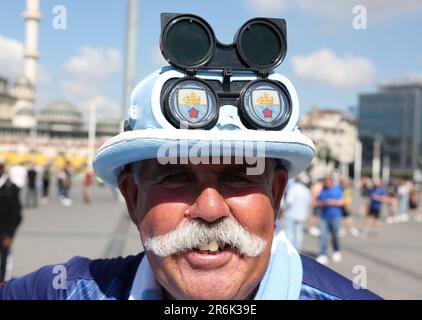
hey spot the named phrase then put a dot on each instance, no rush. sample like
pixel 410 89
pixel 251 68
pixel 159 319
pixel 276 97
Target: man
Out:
pixel 403 192
pixel 87 182
pixel 10 218
pixel 377 196
pixel 18 175
pixel 314 219
pixel 347 207
pixel 298 206
pixel 202 185
pixel 64 182
pixel 331 200
pixel 46 176
pixel 32 192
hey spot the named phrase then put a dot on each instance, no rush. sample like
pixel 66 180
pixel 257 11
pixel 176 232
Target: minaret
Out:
pixel 32 17
pixel 24 88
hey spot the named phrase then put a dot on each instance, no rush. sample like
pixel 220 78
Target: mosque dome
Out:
pixel 22 81
pixel 60 116
pixel 62 112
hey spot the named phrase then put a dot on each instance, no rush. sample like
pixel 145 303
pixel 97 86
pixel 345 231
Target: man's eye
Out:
pixel 176 178
pixel 236 178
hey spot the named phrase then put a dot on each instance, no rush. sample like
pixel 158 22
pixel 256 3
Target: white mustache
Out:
pixel 195 233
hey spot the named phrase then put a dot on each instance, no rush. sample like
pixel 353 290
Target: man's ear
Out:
pixel 280 178
pixel 129 190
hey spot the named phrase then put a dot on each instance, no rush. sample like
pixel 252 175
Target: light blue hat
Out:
pixel 152 133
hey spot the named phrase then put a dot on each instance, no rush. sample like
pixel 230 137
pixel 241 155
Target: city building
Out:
pixel 334 134
pixel 392 116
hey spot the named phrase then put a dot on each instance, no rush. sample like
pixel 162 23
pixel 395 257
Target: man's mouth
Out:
pixel 213 247
pixel 210 256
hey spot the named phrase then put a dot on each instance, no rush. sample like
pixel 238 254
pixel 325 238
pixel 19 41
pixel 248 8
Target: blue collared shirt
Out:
pixel 333 193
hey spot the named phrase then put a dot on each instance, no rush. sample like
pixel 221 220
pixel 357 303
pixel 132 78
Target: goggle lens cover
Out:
pixel 266 105
pixel 193 103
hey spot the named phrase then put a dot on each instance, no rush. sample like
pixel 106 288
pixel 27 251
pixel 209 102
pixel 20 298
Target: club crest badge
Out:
pixel 192 104
pixel 266 104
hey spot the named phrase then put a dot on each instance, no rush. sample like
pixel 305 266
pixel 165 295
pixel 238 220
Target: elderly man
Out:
pixel 202 165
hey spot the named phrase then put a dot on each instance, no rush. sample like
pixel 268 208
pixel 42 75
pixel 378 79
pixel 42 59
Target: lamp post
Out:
pixel 131 54
pixel 357 162
pixel 91 132
pixel 385 170
pixel 376 159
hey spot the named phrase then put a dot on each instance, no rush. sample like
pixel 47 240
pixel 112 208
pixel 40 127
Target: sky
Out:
pixel 329 60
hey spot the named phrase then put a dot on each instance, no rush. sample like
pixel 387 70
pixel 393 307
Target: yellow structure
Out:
pixel 13 158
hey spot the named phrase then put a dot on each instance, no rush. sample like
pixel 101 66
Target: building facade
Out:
pixel 393 117
pixel 334 134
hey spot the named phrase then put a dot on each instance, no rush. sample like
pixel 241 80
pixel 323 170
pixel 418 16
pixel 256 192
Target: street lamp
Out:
pixel 91 132
pixel 376 158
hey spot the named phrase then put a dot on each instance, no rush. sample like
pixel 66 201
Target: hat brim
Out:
pixel 296 150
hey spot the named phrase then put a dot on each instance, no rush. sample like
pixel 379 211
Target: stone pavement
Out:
pixel 53 233
pixel 391 260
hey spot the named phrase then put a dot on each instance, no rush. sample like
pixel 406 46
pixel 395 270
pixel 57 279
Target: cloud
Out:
pixel 12 62
pixel 324 67
pixel 105 107
pixel 335 8
pixel 267 7
pixel 80 88
pixel 94 63
pixel 88 70
pixel 375 8
pixel 404 80
pixel 12 65
pixel 11 58
pixel 43 75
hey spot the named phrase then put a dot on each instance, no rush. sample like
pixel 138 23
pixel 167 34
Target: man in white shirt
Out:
pixel 18 175
pixel 298 205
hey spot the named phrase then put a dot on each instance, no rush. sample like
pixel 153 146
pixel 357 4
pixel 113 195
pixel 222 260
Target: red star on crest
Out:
pixel 193 113
pixel 267 113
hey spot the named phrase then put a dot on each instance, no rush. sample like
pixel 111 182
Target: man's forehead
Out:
pixel 154 164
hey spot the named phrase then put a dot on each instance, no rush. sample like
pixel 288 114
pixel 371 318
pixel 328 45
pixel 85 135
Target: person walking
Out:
pixel 87 182
pixel 31 191
pixel 316 188
pixel 347 207
pixel 392 206
pixel 378 196
pixel 18 175
pixel 331 202
pixel 403 192
pixel 10 218
pixel 64 183
pixel 414 202
pixel 46 177
pixel 297 208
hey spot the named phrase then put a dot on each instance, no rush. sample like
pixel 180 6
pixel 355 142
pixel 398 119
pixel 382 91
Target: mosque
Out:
pixel 58 129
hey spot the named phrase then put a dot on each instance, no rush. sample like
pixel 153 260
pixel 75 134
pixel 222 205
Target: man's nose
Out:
pixel 209 206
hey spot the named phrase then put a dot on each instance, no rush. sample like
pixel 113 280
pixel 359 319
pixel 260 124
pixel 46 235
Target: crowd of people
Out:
pixel 332 207
pixel 35 183
pixel 27 185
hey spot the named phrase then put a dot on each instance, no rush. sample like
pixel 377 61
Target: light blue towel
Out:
pixel 282 279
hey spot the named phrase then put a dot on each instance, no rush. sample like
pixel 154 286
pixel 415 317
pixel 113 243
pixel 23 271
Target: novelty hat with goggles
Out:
pixel 214 97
